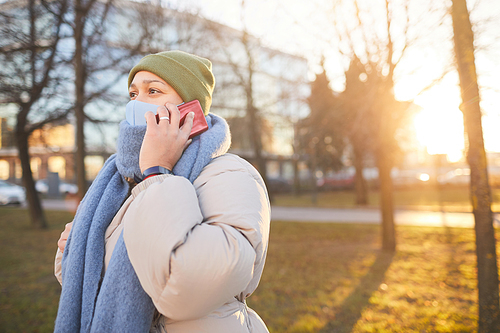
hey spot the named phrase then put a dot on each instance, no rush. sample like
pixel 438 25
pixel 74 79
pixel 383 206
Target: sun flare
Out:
pixel 439 125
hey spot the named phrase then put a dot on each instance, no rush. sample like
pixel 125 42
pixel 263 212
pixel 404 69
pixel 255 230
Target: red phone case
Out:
pixel 199 122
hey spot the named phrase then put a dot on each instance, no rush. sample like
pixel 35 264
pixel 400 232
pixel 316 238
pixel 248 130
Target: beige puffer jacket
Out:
pixel 198 249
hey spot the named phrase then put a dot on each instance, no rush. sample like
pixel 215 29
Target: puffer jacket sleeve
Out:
pixel 194 248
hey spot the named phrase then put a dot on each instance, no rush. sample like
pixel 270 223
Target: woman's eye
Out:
pixel 132 94
pixel 154 91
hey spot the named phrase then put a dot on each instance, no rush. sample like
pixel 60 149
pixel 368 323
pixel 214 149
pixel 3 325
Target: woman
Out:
pixel 186 246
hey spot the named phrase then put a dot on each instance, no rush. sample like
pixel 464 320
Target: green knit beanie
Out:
pixel 191 76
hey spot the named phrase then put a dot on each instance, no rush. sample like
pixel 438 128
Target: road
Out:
pixel 342 215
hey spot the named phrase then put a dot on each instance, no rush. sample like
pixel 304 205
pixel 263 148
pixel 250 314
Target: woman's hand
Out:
pixel 164 141
pixel 61 243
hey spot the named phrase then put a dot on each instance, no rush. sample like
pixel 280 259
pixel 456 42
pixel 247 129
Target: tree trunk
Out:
pixel 361 188
pixel 79 103
pixel 487 270
pixel 386 203
pixel 255 121
pixel 34 206
pixel 312 175
pixel 385 158
pixel 255 137
pixel 296 178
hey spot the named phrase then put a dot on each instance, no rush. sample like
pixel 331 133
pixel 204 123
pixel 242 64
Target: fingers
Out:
pixel 188 124
pixel 188 142
pixel 150 119
pixel 165 142
pixel 61 243
pixel 163 116
pixel 175 115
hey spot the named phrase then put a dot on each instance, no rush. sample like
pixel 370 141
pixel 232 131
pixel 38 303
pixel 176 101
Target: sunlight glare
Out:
pixel 424 177
pixel 439 125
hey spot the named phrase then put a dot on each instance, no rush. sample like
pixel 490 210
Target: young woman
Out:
pixel 183 249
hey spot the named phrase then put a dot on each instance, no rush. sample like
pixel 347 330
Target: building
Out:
pixel 277 83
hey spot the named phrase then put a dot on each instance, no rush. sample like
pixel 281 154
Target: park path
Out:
pixel 342 215
pixel 373 216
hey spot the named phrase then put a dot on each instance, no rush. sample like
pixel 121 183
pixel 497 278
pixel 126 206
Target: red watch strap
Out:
pixel 154 174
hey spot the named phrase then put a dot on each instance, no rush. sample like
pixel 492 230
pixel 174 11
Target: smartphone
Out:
pixel 135 111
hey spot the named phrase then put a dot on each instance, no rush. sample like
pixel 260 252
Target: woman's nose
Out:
pixel 141 98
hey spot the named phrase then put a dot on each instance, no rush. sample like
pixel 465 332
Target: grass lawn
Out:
pixel 29 292
pixel 455 199
pixel 333 278
pixel 318 278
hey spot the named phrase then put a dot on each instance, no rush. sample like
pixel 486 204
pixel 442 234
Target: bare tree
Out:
pixel 80 14
pixel 487 270
pixel 30 36
pixel 110 36
pixel 376 56
pixel 259 91
pixel 358 121
pixel 321 136
pixel 242 69
pixel 91 56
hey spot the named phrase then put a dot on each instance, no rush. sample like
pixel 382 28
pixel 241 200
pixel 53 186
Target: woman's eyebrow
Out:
pixel 153 80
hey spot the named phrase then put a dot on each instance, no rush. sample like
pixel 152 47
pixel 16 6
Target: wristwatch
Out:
pixel 153 171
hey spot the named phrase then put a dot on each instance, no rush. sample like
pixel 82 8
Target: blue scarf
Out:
pixel 115 301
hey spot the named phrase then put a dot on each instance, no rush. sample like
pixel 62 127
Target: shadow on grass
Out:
pixel 350 310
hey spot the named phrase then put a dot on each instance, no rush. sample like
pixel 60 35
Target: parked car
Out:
pixel 42 186
pixel 279 185
pixel 455 177
pixel 11 193
pixel 339 181
pixel 410 178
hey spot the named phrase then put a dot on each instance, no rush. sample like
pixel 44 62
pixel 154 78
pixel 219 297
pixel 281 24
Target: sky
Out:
pixel 304 28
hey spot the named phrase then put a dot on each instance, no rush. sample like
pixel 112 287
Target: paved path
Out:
pixel 60 204
pixel 344 215
pixel 402 217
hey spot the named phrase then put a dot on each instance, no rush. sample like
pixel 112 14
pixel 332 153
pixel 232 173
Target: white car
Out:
pixel 11 193
pixel 43 187
pixel 455 177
